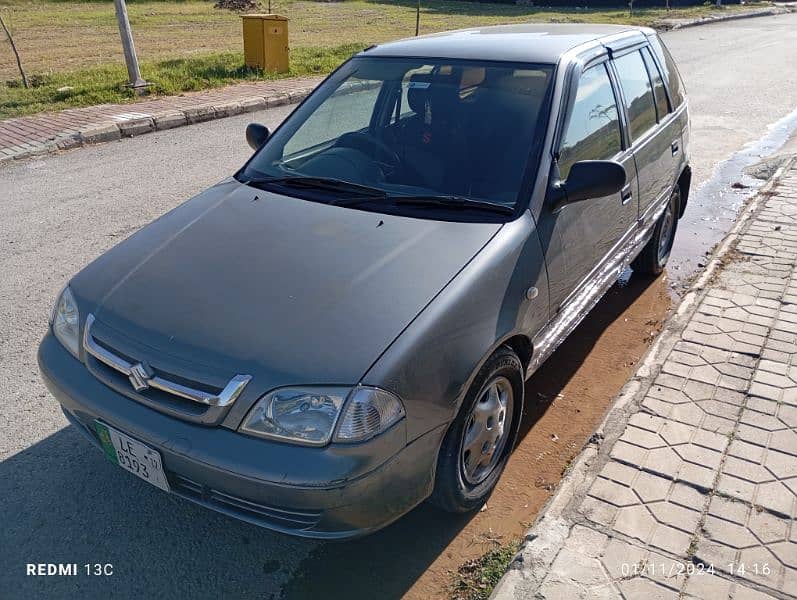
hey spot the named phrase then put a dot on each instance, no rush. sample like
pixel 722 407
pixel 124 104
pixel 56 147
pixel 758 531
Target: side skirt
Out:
pixel 589 294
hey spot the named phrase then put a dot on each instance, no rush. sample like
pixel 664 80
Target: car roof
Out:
pixel 528 42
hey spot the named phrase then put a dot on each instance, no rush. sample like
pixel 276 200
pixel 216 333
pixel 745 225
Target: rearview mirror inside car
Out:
pixel 256 135
pixel 589 179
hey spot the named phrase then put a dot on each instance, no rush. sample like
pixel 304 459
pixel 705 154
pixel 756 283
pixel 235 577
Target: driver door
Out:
pixel 581 237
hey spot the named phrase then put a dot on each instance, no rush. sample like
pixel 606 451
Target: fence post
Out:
pixel 133 72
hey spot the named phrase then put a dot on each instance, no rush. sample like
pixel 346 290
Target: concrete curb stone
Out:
pixel 94 134
pixel 136 126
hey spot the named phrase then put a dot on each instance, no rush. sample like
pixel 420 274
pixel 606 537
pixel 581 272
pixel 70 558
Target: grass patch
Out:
pixel 105 84
pixel 188 44
pixel 476 578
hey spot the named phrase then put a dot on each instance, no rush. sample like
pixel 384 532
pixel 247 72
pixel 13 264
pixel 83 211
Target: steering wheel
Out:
pixel 368 144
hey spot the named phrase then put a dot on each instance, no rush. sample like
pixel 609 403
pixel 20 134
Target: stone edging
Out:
pixel 158 121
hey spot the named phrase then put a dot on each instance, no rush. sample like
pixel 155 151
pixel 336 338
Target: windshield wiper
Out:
pixel 445 201
pixel 322 183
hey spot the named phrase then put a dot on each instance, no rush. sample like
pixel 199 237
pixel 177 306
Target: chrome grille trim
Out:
pixel 226 397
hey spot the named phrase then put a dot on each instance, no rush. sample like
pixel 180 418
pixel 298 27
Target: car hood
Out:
pixel 239 280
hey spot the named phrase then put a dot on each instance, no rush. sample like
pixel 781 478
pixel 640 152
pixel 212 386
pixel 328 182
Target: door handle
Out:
pixel 675 147
pixel 626 194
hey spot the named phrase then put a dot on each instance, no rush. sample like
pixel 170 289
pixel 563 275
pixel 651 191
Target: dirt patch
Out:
pixel 419 557
pixel 236 5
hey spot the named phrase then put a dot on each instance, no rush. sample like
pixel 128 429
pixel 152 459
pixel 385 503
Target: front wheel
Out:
pixel 480 440
pixel 654 256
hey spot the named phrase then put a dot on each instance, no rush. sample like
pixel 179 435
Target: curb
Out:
pixel 664 25
pixel 97 133
pixel 547 535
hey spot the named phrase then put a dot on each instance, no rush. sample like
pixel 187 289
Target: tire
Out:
pixel 465 478
pixel 654 256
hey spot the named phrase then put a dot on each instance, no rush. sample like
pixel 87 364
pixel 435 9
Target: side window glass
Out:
pixel 593 130
pixel 671 71
pixel 662 108
pixel 638 93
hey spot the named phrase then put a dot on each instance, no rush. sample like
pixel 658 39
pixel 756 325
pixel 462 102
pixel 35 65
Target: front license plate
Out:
pixel 132 455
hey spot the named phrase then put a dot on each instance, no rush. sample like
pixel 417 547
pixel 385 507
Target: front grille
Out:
pixel 247 510
pixel 160 389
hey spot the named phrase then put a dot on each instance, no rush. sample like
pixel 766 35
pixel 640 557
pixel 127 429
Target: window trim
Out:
pixel 650 130
pixel 661 64
pixel 569 99
pixel 670 109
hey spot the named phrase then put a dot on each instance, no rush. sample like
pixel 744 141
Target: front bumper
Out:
pixel 333 492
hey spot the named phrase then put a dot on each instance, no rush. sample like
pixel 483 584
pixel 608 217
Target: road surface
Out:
pixel 61 501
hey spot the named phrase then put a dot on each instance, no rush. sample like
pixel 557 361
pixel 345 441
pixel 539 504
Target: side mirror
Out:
pixel 256 135
pixel 590 179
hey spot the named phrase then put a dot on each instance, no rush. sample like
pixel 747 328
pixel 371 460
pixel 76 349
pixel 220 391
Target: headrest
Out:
pixel 418 91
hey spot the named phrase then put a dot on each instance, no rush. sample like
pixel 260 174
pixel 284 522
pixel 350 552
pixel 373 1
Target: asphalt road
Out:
pixel 60 501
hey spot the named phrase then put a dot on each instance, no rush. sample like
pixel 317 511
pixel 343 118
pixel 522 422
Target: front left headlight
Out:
pixel 65 321
pixel 310 415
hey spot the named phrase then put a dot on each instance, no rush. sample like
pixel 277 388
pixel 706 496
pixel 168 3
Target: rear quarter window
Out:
pixel 674 82
pixel 638 92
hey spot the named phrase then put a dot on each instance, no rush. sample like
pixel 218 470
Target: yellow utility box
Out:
pixel 266 42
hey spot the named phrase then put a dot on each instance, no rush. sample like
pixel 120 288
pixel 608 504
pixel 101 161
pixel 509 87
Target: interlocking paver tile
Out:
pixel 675 516
pixel 645 588
pixel 729 509
pixel 635 522
pixel 705 585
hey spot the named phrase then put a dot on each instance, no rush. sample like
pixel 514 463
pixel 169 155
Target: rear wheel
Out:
pixel 654 256
pixel 480 440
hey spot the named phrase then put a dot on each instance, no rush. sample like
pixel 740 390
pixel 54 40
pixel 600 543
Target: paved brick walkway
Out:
pixel 695 494
pixel 48 132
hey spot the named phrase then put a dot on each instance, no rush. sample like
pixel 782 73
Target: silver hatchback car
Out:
pixel 343 329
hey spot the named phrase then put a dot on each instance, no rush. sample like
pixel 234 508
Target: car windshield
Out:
pixel 425 129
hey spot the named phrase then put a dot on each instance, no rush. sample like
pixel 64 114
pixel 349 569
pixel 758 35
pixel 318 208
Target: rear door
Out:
pixel 655 137
pixel 580 237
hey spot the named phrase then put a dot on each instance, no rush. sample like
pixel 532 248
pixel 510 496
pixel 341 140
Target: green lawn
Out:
pixel 189 45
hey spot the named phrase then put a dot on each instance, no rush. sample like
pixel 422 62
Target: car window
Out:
pixel 662 107
pixel 670 71
pixel 348 109
pixel 593 129
pixel 416 126
pixel 638 93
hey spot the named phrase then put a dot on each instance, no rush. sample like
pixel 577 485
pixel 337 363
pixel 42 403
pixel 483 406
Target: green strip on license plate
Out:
pixel 105 441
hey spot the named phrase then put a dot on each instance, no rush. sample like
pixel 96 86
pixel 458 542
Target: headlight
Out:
pixel 65 321
pixel 309 415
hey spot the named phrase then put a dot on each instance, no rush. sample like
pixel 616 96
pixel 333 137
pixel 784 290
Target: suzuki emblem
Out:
pixel 139 377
